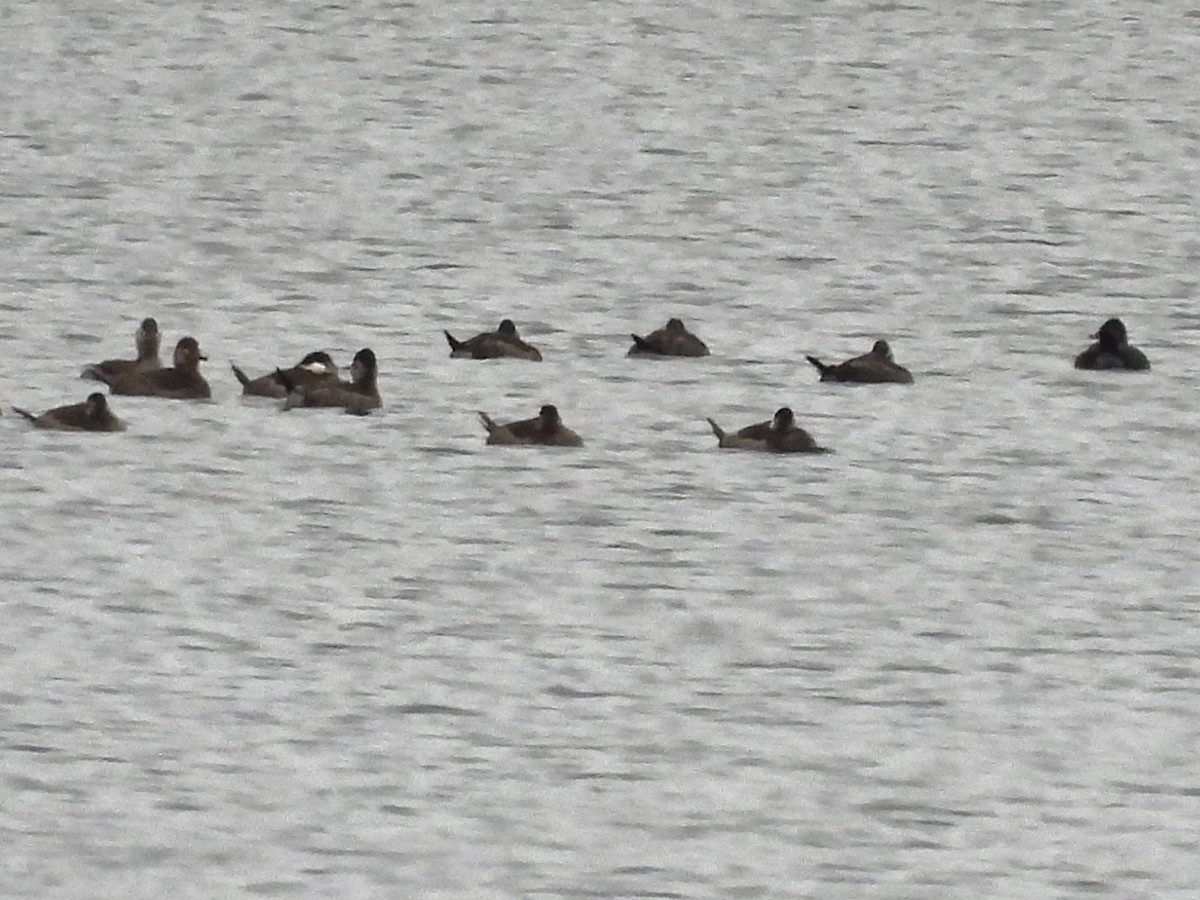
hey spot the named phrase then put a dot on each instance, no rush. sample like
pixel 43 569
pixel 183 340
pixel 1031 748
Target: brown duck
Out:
pixel 673 339
pixel 359 395
pixel 875 367
pixel 1112 350
pixel 545 429
pixel 147 339
pixel 316 369
pixel 91 415
pixel 503 343
pixel 780 435
pixel 181 381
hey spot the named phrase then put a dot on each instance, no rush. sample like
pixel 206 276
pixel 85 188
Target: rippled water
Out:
pixel 266 654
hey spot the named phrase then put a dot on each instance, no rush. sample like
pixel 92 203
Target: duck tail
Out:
pixel 820 366
pixel 487 421
pixel 717 430
pixel 640 343
pixel 240 375
pixel 30 416
pixel 455 343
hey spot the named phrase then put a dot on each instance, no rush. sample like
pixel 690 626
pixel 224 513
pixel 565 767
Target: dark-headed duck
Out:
pixel 181 381
pixel 1112 350
pixel 671 340
pixel 546 429
pixel 502 343
pixel 147 340
pixel 359 395
pixel 780 435
pixel 316 369
pixel 876 367
pixel 91 415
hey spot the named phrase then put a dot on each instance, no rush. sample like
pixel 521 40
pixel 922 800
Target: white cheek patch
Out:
pixel 317 368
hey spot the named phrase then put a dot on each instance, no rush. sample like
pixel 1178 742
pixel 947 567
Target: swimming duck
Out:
pixel 502 343
pixel 876 367
pixel 1112 350
pixel 91 415
pixel 545 429
pixel 359 395
pixel 317 368
pixel 147 340
pixel 671 340
pixel 780 435
pixel 181 381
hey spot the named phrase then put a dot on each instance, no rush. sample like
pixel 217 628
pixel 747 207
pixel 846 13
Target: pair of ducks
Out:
pixel 314 382
pixel 506 343
pixel 546 429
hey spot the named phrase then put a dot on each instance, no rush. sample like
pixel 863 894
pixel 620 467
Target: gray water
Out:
pixel 250 653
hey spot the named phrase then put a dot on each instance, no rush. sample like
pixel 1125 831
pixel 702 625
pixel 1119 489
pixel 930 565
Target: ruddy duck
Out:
pixel 181 381
pixel 359 395
pixel 91 415
pixel 671 340
pixel 147 339
pixel 876 367
pixel 502 343
pixel 545 429
pixel 316 369
pixel 1112 350
pixel 780 435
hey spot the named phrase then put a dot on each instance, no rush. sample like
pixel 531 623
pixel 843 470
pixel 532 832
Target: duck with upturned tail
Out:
pixel 314 370
pixel 91 415
pixel 545 429
pixel 874 367
pixel 359 395
pixel 780 435
pixel 673 339
pixel 503 343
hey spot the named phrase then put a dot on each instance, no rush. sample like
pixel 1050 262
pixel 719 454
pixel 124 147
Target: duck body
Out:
pixel 545 429
pixel 359 395
pixel 314 370
pixel 780 435
pixel 181 381
pixel 874 367
pixel 1112 350
pixel 91 415
pixel 673 339
pixel 503 343
pixel 147 340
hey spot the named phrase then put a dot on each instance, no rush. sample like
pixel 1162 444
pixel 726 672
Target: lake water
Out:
pixel 250 653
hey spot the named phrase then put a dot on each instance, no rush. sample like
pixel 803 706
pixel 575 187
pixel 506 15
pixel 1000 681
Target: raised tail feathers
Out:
pixel 821 367
pixel 30 416
pixel 241 376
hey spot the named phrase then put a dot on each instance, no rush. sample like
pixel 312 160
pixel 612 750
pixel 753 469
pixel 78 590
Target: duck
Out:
pixel 875 367
pixel 503 343
pixel 673 339
pixel 780 435
pixel 181 381
pixel 1112 350
pixel 545 429
pixel 91 415
pixel 359 395
pixel 314 369
pixel 147 339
